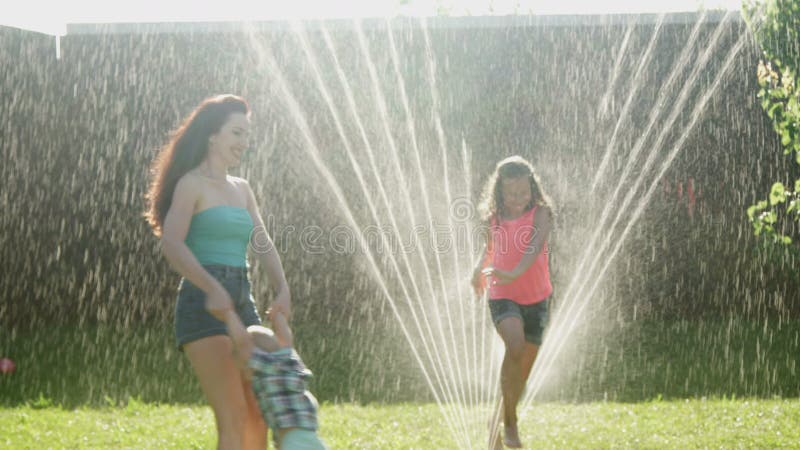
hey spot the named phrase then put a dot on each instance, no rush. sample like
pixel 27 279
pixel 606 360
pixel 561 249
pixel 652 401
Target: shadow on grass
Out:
pixel 100 365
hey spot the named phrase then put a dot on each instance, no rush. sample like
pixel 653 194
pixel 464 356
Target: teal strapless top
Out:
pixel 220 235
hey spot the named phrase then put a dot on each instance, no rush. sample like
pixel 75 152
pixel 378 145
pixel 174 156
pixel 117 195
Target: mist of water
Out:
pixel 393 125
pixel 450 360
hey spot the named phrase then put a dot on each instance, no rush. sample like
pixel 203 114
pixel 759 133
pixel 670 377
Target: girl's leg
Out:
pixel 221 381
pixel 513 374
pixel 528 358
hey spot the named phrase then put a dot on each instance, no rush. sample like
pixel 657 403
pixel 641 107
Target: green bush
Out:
pixel 776 26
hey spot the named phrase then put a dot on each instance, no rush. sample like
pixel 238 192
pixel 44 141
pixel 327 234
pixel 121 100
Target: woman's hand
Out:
pixel 282 303
pixel 219 302
pixel 220 305
pixel 280 326
pixel 478 282
pixel 499 276
pixel 242 342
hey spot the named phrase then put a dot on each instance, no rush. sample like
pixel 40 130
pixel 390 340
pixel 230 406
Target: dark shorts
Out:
pixel 534 317
pixel 193 321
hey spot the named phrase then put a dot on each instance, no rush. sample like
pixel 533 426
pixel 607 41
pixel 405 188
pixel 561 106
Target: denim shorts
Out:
pixel 193 321
pixel 534 317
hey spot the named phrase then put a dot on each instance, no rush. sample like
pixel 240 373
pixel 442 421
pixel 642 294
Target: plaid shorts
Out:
pixel 279 383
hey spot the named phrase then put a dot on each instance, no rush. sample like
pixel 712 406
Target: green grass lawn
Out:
pixel 739 423
pixel 644 385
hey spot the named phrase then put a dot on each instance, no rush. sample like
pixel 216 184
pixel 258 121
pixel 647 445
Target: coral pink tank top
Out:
pixel 509 240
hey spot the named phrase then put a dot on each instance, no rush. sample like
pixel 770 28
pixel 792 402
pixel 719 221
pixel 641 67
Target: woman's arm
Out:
pixel 283 334
pixel 174 230
pixel 542 224
pixel 267 254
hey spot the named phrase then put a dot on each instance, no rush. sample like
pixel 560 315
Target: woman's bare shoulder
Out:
pixel 186 195
pixel 191 181
pixel 242 186
pixel 238 180
pixel 191 178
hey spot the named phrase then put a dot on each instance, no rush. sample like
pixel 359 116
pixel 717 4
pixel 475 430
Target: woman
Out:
pixel 205 219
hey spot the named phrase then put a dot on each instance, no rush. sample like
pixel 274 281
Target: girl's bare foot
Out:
pixel 511 437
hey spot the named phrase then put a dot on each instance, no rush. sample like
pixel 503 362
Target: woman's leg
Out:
pixel 255 433
pixel 221 381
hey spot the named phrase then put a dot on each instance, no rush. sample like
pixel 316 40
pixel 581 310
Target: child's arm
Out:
pixel 542 225
pixel 280 326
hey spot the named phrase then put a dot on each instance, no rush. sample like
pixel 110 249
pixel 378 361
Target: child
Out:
pixel 277 375
pixel 279 382
pixel 515 261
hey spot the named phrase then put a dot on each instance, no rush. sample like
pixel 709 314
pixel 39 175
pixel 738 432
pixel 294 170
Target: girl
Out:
pixel 205 219
pixel 518 217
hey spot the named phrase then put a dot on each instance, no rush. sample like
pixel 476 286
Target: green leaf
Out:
pixel 776 108
pixel 792 106
pixel 769 217
pixel 751 211
pixel 786 137
pixel 777 194
pixel 797 185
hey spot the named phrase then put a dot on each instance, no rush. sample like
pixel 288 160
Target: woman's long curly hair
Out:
pixel 491 202
pixel 185 150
